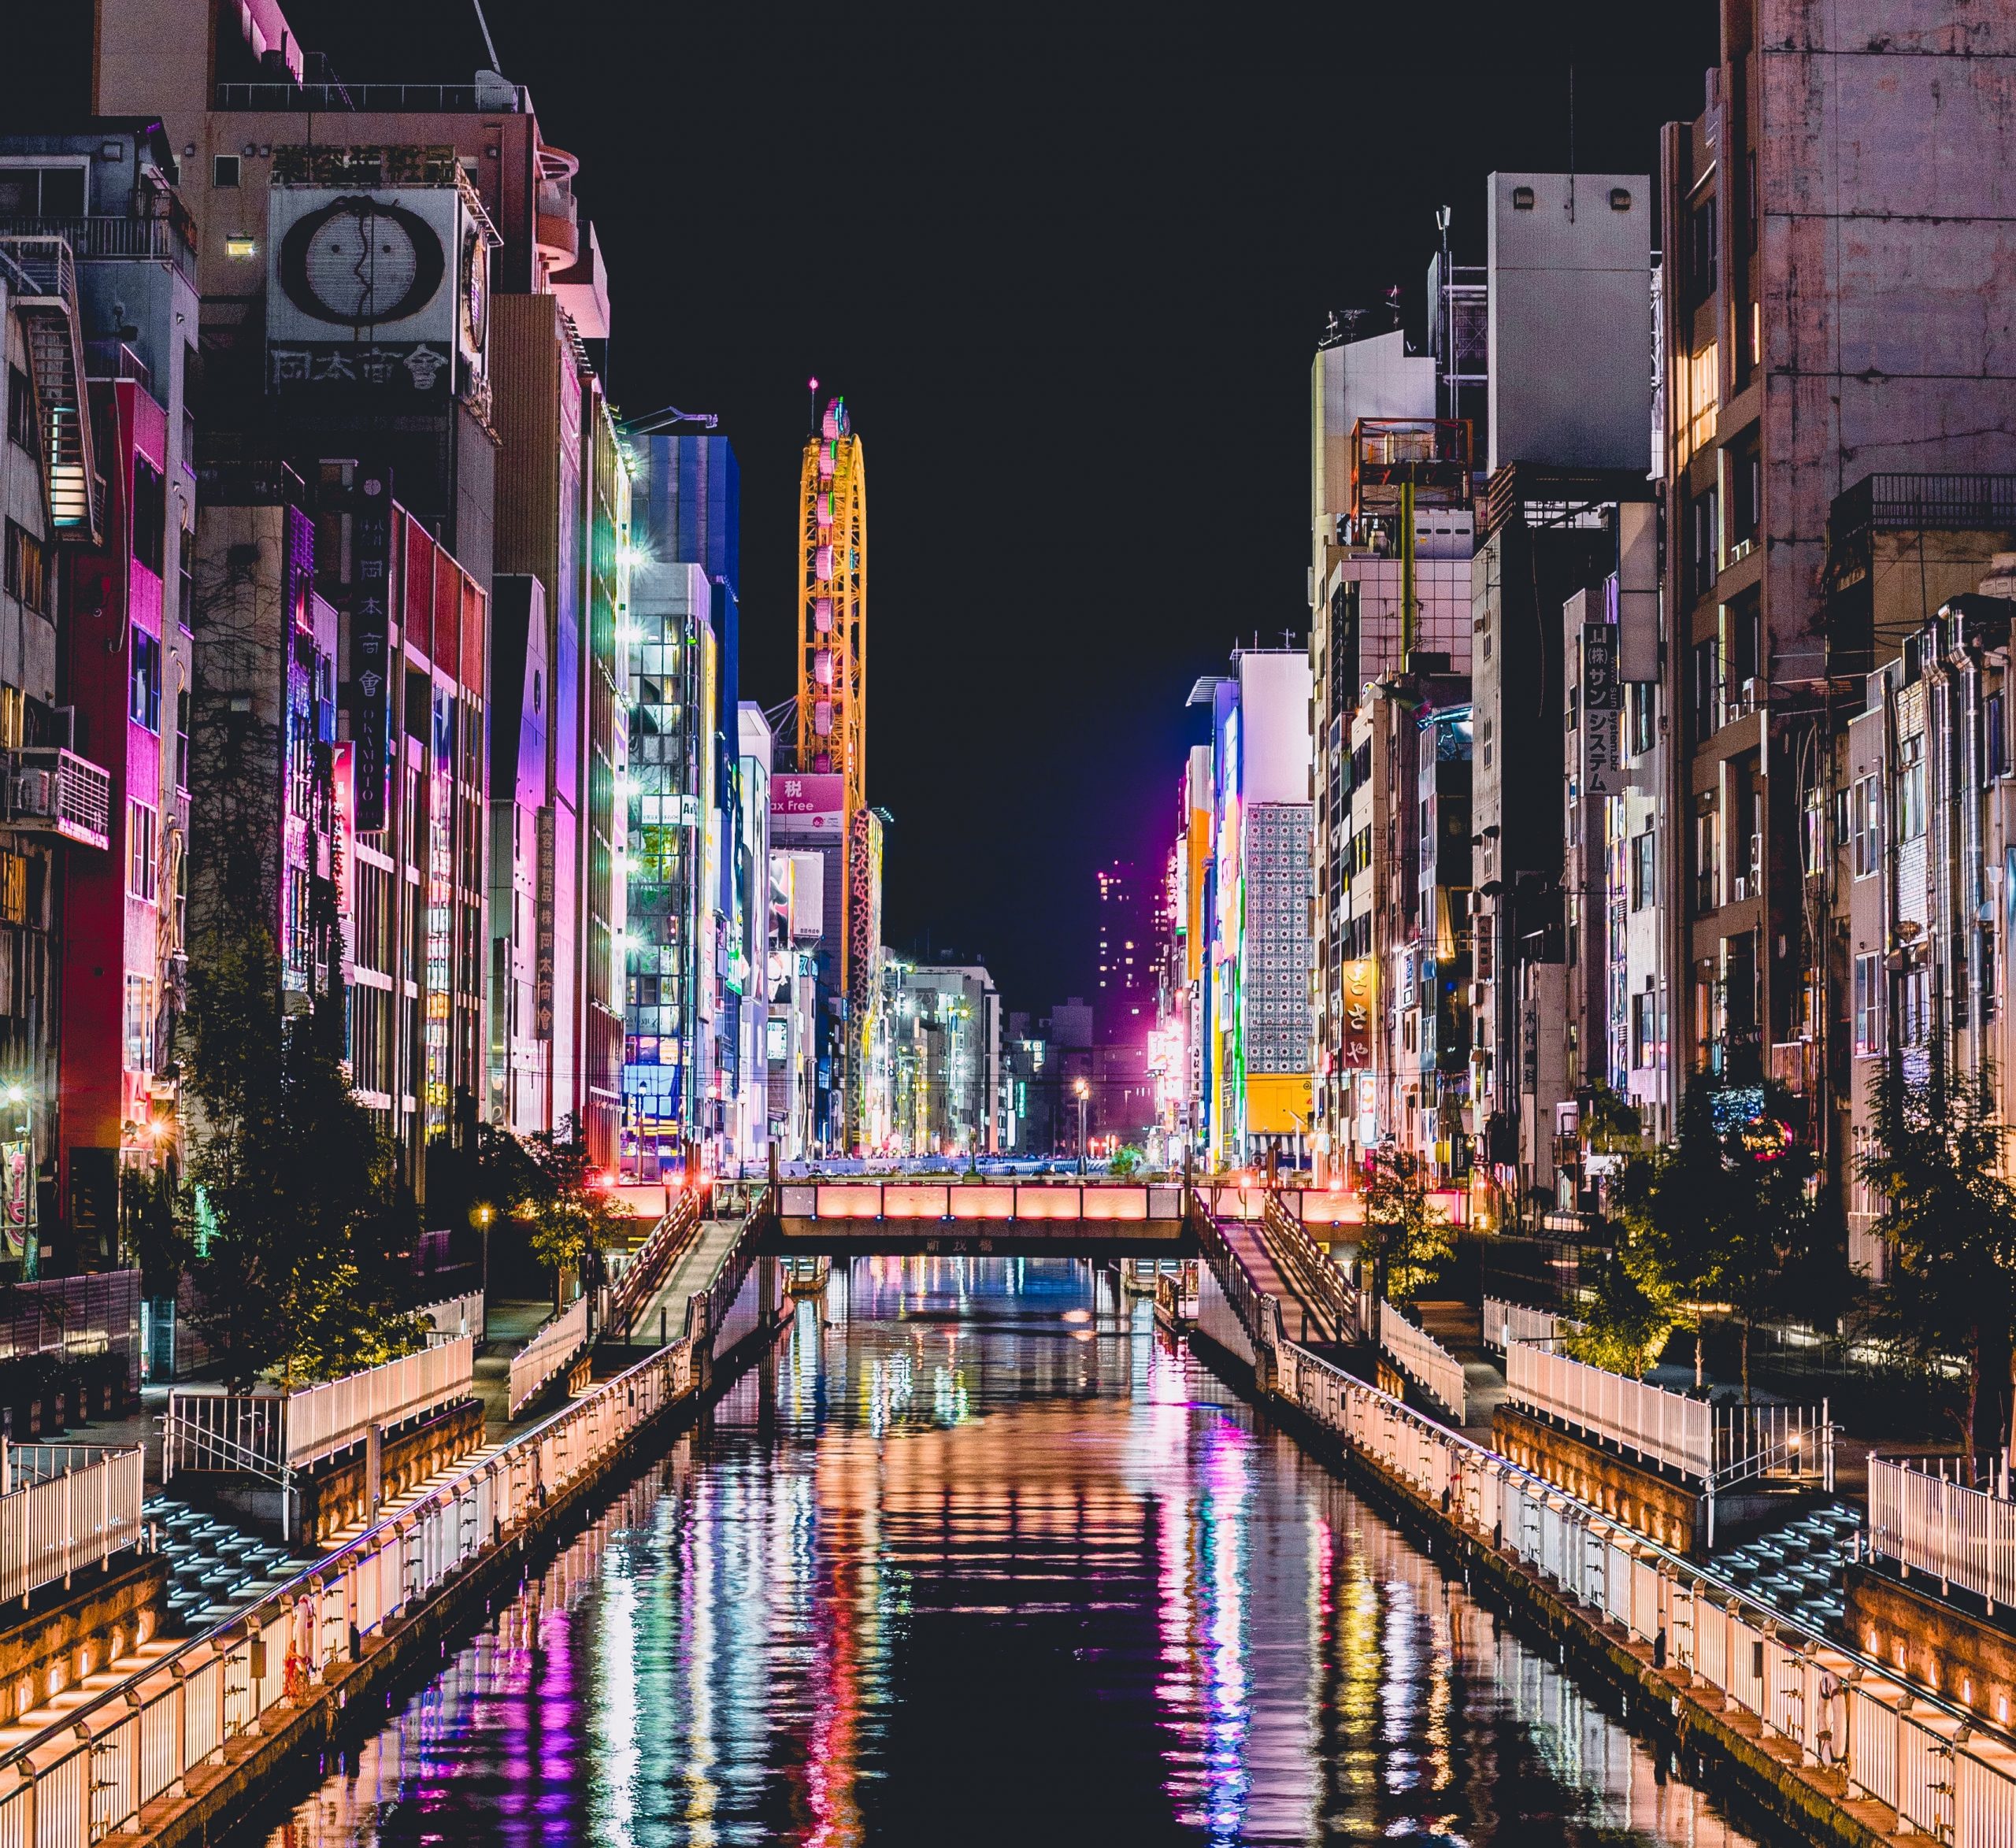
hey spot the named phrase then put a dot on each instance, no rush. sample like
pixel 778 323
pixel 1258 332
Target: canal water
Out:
pixel 980 1557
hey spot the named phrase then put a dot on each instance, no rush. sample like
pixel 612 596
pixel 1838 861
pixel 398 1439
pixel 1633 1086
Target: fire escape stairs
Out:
pixel 54 330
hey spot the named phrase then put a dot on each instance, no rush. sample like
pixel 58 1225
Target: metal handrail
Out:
pixel 1285 1237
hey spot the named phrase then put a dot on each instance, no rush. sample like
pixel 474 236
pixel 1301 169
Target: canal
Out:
pixel 979 1557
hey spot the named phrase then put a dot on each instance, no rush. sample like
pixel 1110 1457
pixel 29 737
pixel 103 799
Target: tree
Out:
pixel 1936 1156
pixel 1408 1234
pixel 1625 1325
pixel 1726 1214
pixel 1125 1162
pixel 305 1226
pixel 158 1242
pixel 572 1215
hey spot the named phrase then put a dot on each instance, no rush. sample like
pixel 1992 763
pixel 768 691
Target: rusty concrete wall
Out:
pixel 1887 148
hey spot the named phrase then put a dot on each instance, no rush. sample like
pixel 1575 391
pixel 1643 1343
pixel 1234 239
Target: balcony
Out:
pixel 51 790
pixel 493 96
pixel 167 237
pixel 556 224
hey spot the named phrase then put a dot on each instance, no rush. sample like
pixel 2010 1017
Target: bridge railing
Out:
pixel 1320 1284
pixel 983 1202
pixel 1916 1753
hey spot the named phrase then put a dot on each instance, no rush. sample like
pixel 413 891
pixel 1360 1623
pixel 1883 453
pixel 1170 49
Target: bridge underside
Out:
pixel 950 1238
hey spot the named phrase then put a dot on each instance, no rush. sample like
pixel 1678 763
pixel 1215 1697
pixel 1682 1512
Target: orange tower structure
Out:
pixel 832 608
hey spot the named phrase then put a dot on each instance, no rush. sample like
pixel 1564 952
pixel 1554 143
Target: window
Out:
pixel 1642 718
pixel 1707 687
pixel 27 568
pixel 149 515
pixel 1701 541
pixel 143 688
pixel 1644 871
pixel 1644 1017
pixel 13 717
pixel 139 1022
pixel 1813 833
pixel 1995 725
pixel 182 740
pixel 1746 486
pixel 1911 786
pixel 142 837
pixel 1917 999
pixel 41 192
pixel 1864 821
pixel 223 170
pixel 1707 862
pixel 1701 252
pixel 20 411
pixel 1869 1004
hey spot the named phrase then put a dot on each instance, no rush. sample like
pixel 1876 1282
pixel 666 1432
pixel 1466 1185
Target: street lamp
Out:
pixel 1084 1092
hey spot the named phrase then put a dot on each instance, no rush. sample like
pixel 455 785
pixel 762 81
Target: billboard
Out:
pixel 377 289
pixel 809 807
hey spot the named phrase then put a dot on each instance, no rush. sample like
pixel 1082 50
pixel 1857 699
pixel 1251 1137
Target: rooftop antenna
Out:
pixel 1571 143
pixel 488 44
pixel 656 423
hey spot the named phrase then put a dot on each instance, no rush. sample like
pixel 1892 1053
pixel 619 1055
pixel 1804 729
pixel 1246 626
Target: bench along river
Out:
pixel 978 1556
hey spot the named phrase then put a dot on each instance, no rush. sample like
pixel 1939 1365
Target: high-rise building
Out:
pixel 1840 441
pixel 102 258
pixel 1125 925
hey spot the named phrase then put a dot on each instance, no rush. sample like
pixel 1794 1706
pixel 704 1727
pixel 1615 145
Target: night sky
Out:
pixel 1069 264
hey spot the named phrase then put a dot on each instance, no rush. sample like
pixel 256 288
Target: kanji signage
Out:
pixel 370 640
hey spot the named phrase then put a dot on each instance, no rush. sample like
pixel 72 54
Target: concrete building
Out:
pixel 480 396
pixel 100 221
pixel 1840 427
pixel 1256 1094
pixel 57 803
pixel 944 1029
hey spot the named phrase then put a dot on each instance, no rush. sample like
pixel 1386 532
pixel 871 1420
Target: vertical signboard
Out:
pixel 17 1215
pixel 1356 1050
pixel 1602 700
pixel 543 962
pixel 370 632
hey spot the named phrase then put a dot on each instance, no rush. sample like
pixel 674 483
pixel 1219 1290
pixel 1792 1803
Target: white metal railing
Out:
pixel 208 1428
pixel 1663 1426
pixel 551 1350
pixel 1717 1445
pixel 1931 1524
pixel 1423 1359
pixel 64 1506
pixel 456 1315
pixel 89 1774
pixel 1835 1709
pixel 1505 1323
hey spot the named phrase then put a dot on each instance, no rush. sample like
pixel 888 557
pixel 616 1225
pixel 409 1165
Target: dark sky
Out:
pixel 1069 264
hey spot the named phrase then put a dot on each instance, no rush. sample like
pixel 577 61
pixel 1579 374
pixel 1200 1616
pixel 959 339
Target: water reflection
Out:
pixel 978 1558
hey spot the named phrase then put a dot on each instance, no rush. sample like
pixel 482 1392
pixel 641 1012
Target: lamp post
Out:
pixel 1084 1092
pixel 484 1214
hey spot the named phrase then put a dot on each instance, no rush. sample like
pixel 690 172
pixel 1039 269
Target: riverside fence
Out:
pixel 1929 1763
pixel 1424 1360
pixel 64 1506
pixel 89 1774
pixel 273 1432
pixel 551 1351
pixel 1941 1528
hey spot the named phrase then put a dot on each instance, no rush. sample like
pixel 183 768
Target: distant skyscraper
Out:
pixel 1126 1000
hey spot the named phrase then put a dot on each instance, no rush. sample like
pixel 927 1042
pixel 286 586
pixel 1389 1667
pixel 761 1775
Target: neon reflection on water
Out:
pixel 957 1567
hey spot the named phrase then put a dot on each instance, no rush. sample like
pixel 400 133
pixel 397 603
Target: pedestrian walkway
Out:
pixel 692 1271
